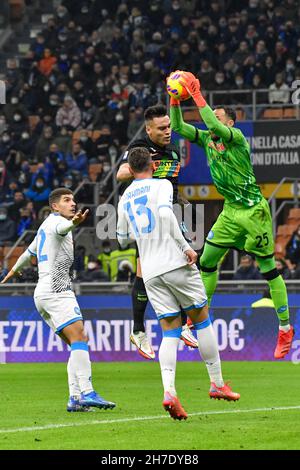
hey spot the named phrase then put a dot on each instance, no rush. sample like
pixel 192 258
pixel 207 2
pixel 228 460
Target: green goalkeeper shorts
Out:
pixel 244 228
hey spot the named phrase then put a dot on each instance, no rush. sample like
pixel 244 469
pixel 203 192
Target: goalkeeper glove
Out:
pixel 174 101
pixel 192 85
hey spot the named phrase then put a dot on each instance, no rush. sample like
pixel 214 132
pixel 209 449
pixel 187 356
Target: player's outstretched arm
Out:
pixel 65 226
pixel 21 262
pixel 177 123
pixel 192 85
pixel 8 276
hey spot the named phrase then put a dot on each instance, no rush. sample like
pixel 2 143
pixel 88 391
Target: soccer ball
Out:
pixel 174 88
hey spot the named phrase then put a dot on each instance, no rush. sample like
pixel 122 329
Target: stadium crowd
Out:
pixel 98 64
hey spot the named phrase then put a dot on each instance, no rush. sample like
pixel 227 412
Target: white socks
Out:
pixel 167 360
pixel 74 390
pixel 80 366
pixel 208 348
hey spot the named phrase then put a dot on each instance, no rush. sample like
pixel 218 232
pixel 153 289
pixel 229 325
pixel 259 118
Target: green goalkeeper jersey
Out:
pixel 228 157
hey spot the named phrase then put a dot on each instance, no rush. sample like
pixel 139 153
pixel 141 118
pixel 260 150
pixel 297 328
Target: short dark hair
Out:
pixel 56 194
pixel 159 110
pixel 139 159
pixel 229 111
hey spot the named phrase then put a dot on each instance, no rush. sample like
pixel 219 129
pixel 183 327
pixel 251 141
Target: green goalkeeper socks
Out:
pixel 211 257
pixel 210 283
pixel 279 296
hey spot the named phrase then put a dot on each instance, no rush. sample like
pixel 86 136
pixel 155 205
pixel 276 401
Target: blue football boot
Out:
pixel 93 399
pixel 74 405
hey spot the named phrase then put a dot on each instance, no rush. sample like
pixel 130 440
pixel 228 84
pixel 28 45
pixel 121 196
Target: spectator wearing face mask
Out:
pixel 93 272
pixel 68 182
pixel 69 114
pixel 84 17
pixel 13 108
pixel 7 228
pixel 19 201
pixel 63 140
pixel 43 144
pixel 279 91
pixel 62 16
pixel 77 161
pixel 241 97
pixel 6 144
pixel 24 176
pixel 26 144
pixel 10 193
pixel 87 145
pixel 54 158
pixel 38 193
pixel 219 85
pixel 63 63
pixel 44 170
pixel 25 221
pixel 90 114
pixel 19 124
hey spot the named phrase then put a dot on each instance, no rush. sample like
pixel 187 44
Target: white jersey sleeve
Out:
pixel 25 257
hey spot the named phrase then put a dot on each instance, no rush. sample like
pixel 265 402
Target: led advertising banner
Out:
pixel 244 334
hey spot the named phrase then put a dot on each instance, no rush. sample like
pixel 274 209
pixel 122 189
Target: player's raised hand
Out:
pixel 192 85
pixel 80 217
pixel 191 256
pixel 8 276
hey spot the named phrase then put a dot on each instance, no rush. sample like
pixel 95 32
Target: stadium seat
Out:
pixel 294 217
pixel 273 113
pixel 240 114
pixel 295 212
pixel 14 255
pixel 289 113
pixel 286 230
pixel 94 170
pixel 33 120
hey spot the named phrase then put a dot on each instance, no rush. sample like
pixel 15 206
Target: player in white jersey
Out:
pixel 171 277
pixel 54 299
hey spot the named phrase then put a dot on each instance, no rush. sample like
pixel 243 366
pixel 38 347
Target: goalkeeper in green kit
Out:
pixel 245 222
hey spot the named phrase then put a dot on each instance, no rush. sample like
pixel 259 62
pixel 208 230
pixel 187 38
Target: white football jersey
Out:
pixel 55 256
pixel 139 218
